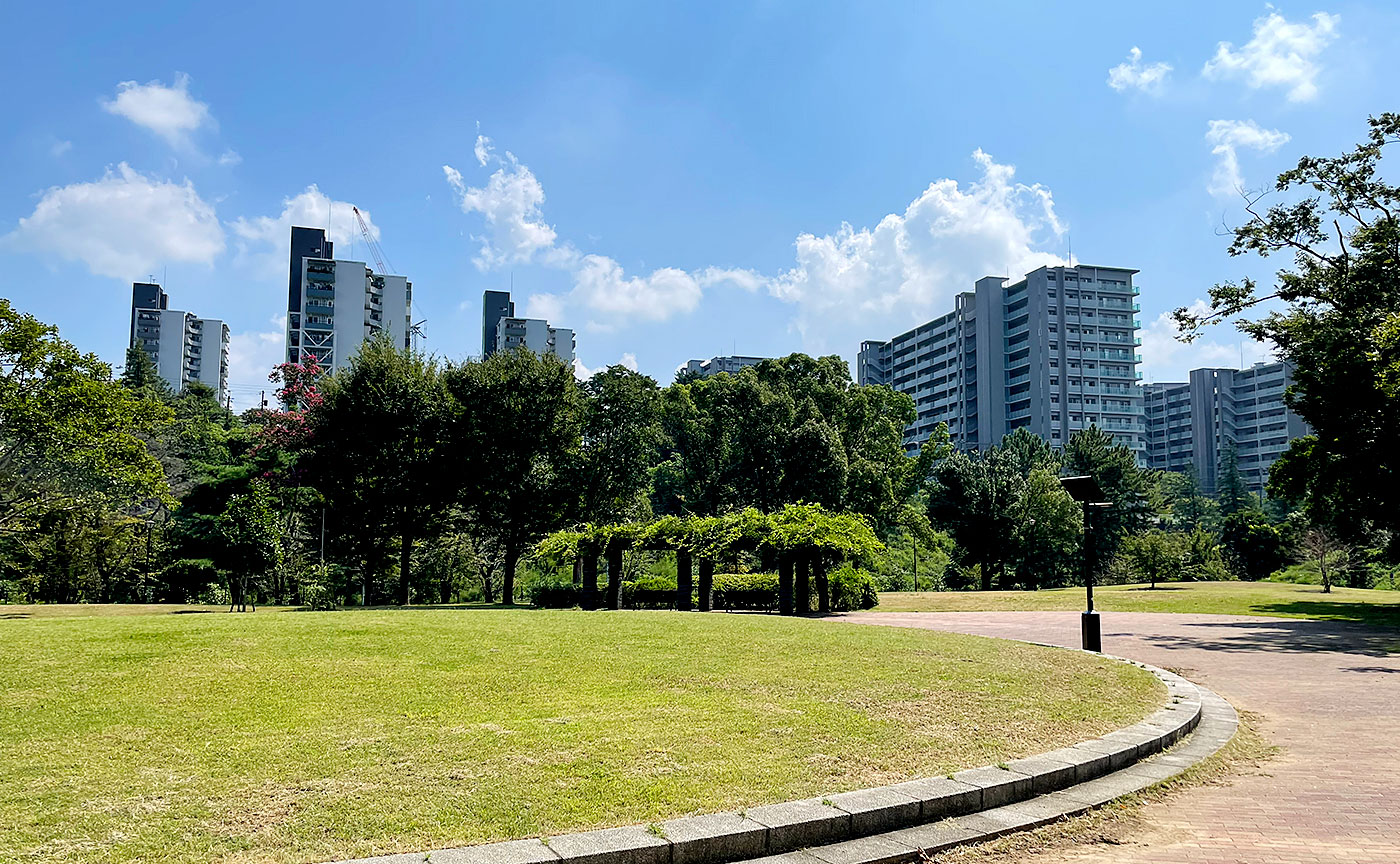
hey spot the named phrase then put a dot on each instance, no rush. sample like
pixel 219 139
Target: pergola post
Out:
pixel 683 581
pixel 785 600
pixel 707 581
pixel 804 587
pixel 588 554
pixel 614 575
pixel 823 585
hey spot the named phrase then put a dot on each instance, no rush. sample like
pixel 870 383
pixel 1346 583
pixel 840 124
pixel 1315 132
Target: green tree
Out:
pixel 976 497
pixel 139 374
pixel 1231 491
pixel 517 432
pixel 1153 555
pixel 1183 501
pixel 1093 452
pixel 378 451
pixel 620 439
pixel 1339 221
pixel 250 546
pixel 70 437
pixel 1047 547
pixel 1253 548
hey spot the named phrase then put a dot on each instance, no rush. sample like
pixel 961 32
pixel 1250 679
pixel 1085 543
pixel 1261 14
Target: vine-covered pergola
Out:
pixel 804 539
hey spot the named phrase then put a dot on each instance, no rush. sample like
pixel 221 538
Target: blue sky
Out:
pixel 672 181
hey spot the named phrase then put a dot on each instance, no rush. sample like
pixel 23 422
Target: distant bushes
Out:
pixel 851 589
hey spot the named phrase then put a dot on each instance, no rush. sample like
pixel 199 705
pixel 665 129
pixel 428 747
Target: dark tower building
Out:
pixel 306 243
pixel 495 305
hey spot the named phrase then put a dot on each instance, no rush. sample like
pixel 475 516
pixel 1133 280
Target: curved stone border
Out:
pixel 893 823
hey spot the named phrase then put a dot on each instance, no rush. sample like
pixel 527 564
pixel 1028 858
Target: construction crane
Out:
pixel 416 330
pixel 373 244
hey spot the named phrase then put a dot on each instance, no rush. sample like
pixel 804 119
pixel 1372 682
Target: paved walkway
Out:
pixel 1328 695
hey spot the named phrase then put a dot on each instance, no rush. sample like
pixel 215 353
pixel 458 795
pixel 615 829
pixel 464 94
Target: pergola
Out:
pixel 805 539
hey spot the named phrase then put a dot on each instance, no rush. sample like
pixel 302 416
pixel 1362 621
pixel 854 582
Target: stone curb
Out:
pixel 888 823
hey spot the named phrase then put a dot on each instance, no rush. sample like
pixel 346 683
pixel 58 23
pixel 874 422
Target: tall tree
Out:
pixel 975 497
pixel 70 436
pixel 1231 491
pixel 378 449
pixel 620 437
pixel 139 374
pixel 1339 221
pixel 248 527
pixel 517 431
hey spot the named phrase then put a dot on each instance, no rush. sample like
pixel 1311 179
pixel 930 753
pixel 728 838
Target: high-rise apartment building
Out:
pixel 502 331
pixel 1190 425
pixel 183 346
pixel 1054 352
pixel 716 365
pixel 495 305
pixel 334 306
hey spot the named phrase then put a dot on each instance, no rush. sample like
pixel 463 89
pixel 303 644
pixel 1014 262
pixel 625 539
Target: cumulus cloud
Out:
pixel 510 202
pixel 229 158
pixel 168 111
pixel 582 373
pixel 1167 359
pixel 262 242
pixel 1280 54
pixel 874 282
pixel 848 284
pixel 124 225
pixel 1133 75
pixel 1227 138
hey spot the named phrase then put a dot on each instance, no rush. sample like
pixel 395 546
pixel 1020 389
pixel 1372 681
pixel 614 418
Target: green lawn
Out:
pixel 291 736
pixel 1226 598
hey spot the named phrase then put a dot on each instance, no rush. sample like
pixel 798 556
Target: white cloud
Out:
pixel 124 226
pixel 263 242
pixel 251 356
pixel 510 202
pixel 1167 359
pixel 1226 138
pixel 601 284
pixel 875 282
pixel 628 360
pixel 1280 54
pixel 170 112
pixel 229 158
pixel 60 148
pixel 853 283
pixel 582 373
pixel 1133 75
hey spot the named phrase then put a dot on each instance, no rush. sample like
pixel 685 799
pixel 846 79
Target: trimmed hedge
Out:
pixel 752 591
pixel 851 589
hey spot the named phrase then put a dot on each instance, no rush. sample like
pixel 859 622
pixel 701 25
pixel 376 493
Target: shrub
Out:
pixel 187 578
pixel 317 594
pixel 214 594
pixel 555 593
pixel 851 589
pixel 746 591
pixel 649 591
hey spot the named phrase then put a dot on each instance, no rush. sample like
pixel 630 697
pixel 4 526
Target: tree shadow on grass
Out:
pixel 1374 614
pixel 1285 635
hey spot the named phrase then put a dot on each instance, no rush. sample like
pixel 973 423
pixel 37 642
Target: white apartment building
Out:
pixel 537 335
pixel 183 346
pixel 335 306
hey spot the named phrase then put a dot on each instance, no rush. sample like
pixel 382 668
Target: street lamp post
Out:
pixel 1086 491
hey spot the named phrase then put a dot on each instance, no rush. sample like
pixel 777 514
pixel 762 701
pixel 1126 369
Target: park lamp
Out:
pixel 1086 491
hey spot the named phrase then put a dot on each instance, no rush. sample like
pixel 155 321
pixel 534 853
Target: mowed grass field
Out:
pixel 300 737
pixel 1380 608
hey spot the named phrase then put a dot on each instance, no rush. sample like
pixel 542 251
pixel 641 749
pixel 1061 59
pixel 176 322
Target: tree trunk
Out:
pixel 707 582
pixel 683 581
pixel 803 585
pixel 986 573
pixel 614 576
pixel 589 598
pixel 405 556
pixel 512 558
pixel 785 599
pixel 578 571
pixel 823 586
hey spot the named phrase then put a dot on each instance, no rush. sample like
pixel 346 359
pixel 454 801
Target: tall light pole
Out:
pixel 1086 491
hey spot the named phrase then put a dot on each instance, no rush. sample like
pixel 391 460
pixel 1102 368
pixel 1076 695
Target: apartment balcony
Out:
pixel 1013 380
pixel 1018 413
pixel 324 292
pixel 318 326
pixel 319 308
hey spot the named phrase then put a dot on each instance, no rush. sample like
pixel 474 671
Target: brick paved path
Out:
pixel 1328 694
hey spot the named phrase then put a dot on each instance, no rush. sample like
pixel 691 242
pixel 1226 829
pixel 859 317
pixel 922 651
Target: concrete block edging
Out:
pixel 966 806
